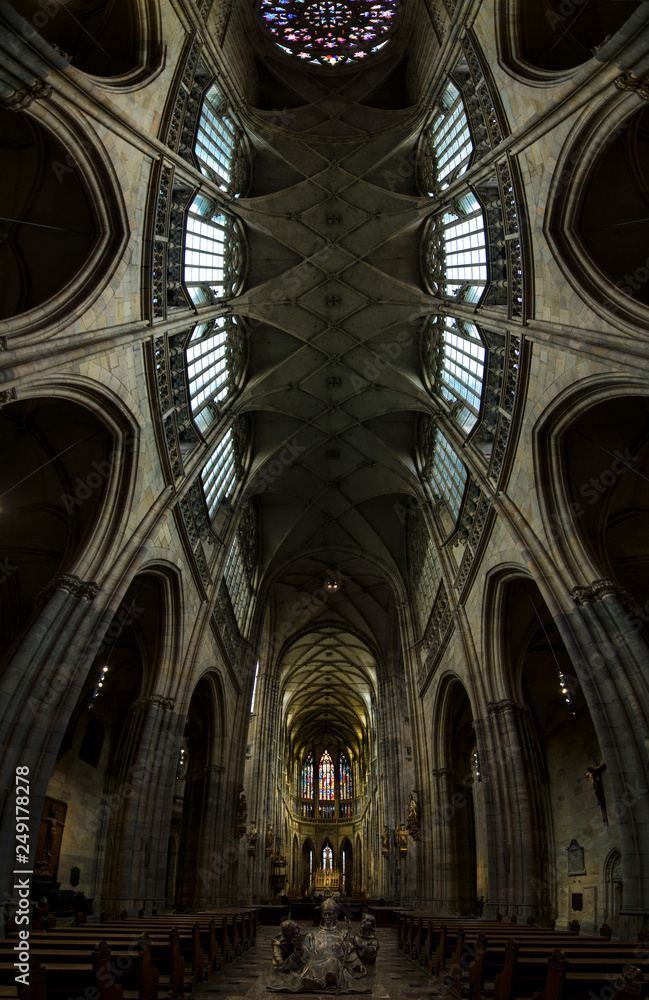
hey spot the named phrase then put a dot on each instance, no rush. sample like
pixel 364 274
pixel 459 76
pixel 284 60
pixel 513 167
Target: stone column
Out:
pixel 511 763
pixel 211 862
pixel 140 806
pixel 444 859
pixel 39 691
pixel 611 662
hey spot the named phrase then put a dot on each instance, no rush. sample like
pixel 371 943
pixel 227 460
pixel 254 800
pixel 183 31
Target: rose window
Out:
pixel 329 33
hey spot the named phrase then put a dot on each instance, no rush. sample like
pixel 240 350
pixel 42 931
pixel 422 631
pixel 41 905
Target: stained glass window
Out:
pixel 327 32
pixel 345 778
pixel 326 778
pixel 327 858
pixel 307 778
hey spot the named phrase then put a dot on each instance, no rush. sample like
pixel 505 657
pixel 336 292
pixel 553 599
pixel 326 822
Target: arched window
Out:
pixel 456 240
pixel 327 858
pixel 238 585
pixel 216 140
pixel 329 33
pixel 306 785
pixel 442 466
pixel 345 777
pixel 208 250
pixel 219 473
pixel 326 786
pixel 326 777
pixel 456 365
pixel 214 357
pixel 449 474
pixel 449 139
pixel 93 740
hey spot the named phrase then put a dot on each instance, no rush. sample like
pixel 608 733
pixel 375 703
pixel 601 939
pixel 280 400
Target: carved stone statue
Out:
pixel 401 834
pixel 269 840
pixel 365 943
pixel 324 959
pixel 594 773
pixel 287 947
pixel 240 819
pixel 413 818
pixel 385 842
pixel 251 837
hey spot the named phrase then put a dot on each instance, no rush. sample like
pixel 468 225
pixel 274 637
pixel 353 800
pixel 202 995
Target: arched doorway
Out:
pixel 613 887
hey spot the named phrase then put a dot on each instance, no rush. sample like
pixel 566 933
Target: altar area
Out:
pixel 327 878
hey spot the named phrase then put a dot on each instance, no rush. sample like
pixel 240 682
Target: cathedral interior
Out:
pixel 323 453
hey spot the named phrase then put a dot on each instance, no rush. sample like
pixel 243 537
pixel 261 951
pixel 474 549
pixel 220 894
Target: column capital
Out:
pixel 600 589
pixel 71 584
pixel 506 705
pixel 154 701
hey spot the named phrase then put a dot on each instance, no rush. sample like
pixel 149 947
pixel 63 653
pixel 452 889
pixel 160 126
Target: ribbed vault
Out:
pixel 335 299
pixel 328 683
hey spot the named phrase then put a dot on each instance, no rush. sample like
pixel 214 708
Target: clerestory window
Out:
pixel 457 360
pixel 457 243
pixel 219 473
pixel 238 585
pixel 448 474
pixel 214 357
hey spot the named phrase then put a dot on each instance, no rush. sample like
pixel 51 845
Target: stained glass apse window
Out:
pixel 327 32
pixel 326 778
pixel 345 778
pixel 306 789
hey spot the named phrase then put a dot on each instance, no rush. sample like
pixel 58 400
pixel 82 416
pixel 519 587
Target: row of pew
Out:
pixel 144 958
pixel 483 958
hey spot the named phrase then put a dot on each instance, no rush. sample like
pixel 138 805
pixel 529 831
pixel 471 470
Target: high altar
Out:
pixel 327 878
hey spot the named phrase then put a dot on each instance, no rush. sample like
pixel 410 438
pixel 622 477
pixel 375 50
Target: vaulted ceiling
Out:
pixel 335 301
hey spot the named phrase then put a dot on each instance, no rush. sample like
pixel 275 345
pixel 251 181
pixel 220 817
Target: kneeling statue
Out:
pixel 324 959
pixel 365 943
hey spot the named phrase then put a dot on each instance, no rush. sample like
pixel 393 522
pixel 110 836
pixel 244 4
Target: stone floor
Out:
pixel 394 977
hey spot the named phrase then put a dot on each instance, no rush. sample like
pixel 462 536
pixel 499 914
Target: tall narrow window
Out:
pixel 450 138
pixel 327 859
pixel 205 239
pixel 457 360
pixel 448 474
pixel 254 688
pixel 326 790
pixel 216 140
pixel 238 586
pixel 456 251
pixel 345 772
pixel 326 786
pixel 214 358
pixel 307 778
pixel 465 246
pixel 311 867
pixel 219 473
